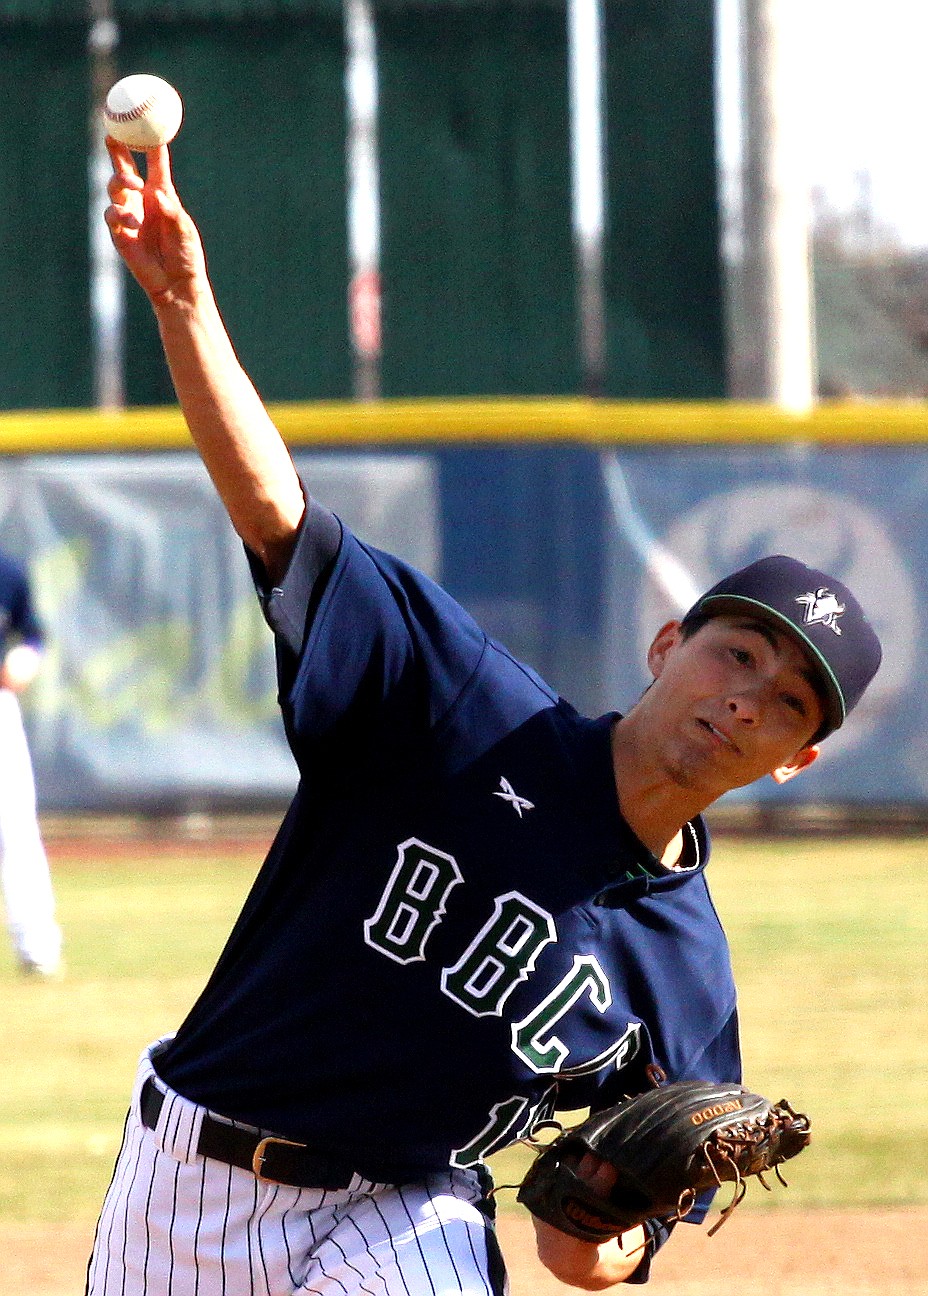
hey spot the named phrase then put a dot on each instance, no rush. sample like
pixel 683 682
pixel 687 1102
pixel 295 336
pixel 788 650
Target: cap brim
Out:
pixel 835 708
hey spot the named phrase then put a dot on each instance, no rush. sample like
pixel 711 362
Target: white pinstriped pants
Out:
pixel 174 1223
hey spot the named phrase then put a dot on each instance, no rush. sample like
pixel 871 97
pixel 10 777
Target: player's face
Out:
pixel 731 703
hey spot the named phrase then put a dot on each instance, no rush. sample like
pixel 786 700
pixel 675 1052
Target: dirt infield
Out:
pixel 789 1253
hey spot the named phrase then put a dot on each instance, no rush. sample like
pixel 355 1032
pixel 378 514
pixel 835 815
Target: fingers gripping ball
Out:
pixel 143 112
pixel 666 1146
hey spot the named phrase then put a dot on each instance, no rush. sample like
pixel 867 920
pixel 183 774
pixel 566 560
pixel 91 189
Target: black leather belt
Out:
pixel 273 1159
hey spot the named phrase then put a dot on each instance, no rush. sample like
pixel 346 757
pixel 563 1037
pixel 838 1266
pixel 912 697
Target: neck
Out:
pixel 653 805
pixel 671 856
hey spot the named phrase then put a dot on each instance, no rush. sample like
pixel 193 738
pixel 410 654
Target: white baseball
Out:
pixel 143 112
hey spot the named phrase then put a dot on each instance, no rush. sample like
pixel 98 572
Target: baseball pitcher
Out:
pixel 481 909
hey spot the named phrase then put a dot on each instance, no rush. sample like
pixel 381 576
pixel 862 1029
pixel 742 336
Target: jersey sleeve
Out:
pixel 23 625
pixel 365 642
pixel 658 1232
pixel 288 607
pixel 720 1060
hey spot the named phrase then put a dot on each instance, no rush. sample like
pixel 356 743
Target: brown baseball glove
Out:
pixel 666 1146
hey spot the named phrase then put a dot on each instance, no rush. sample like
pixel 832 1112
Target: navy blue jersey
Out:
pixel 455 930
pixel 18 621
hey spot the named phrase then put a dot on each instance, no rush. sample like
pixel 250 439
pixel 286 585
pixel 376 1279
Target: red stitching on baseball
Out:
pixel 131 113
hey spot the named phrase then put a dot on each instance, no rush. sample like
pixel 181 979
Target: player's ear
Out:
pixel 802 760
pixel 663 641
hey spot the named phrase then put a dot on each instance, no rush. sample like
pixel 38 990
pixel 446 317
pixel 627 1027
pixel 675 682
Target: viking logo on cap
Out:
pixel 822 608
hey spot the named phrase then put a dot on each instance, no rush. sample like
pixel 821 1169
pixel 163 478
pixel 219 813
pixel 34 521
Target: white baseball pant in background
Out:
pixel 26 882
pixel 175 1223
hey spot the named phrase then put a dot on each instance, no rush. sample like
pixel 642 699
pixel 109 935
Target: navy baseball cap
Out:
pixel 816 609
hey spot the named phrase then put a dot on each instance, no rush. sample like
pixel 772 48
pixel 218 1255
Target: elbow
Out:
pixel 270 530
pixel 275 557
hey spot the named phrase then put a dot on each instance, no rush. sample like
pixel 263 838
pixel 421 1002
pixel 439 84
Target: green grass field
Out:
pixel 829 942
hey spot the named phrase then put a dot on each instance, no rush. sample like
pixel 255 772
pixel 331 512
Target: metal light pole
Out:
pixel 107 287
pixel 778 281
pixel 584 39
pixel 363 197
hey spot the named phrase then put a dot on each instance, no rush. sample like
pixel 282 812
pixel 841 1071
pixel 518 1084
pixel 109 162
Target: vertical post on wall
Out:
pixel 584 39
pixel 363 197
pixel 778 287
pixel 107 285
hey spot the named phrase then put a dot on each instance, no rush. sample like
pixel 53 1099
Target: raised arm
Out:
pixel 239 444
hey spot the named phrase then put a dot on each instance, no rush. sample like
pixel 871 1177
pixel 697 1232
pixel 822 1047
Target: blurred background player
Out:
pixel 27 886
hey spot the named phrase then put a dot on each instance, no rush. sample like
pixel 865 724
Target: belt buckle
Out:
pixel 257 1159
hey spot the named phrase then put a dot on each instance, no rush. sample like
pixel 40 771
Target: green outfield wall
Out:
pixel 479 278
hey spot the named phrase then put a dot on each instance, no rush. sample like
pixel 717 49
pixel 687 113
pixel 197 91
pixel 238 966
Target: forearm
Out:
pixel 589 1265
pixel 243 452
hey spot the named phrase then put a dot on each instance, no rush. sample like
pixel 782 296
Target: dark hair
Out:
pixel 689 627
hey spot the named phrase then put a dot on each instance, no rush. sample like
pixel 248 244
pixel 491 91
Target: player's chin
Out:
pixel 707 768
pixel 707 780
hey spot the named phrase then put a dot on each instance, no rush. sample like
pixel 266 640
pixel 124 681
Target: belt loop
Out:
pixel 177 1130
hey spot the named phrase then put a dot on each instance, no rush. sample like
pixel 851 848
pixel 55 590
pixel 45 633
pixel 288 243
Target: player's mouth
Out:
pixel 718 736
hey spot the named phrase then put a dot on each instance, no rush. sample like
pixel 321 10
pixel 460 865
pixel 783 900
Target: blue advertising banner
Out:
pixel 682 518
pixel 159 690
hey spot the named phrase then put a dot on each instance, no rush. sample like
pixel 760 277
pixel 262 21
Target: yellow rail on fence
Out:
pixel 479 421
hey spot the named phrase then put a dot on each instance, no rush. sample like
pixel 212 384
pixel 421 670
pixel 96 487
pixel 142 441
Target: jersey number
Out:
pixel 509 1121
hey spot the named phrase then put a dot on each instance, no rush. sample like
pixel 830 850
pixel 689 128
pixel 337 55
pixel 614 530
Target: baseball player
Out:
pixel 27 886
pixel 481 906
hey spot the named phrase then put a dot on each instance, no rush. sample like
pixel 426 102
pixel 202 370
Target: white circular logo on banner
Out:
pixel 822 528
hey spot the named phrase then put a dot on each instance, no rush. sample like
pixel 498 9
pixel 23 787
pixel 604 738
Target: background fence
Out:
pixel 571 528
pixel 479 272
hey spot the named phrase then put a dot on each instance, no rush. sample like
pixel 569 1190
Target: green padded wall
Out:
pixel 217 11
pixel 479 283
pixel 45 356
pixel 259 162
pixel 664 334
pixel 477 257
pixel 62 13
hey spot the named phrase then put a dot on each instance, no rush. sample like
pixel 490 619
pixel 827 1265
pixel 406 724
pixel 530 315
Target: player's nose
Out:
pixel 746 707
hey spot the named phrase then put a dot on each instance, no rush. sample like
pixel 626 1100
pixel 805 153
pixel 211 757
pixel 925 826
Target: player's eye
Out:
pixel 741 656
pixel 794 703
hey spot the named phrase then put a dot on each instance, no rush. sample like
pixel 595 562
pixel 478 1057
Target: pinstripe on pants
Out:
pixel 176 1224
